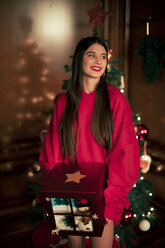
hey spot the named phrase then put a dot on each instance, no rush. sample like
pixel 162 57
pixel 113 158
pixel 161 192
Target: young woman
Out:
pixel 92 123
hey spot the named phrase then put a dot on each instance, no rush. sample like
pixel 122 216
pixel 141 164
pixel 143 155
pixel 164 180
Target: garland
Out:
pixel 153 50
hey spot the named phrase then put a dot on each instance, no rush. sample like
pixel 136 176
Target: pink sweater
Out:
pixel 123 160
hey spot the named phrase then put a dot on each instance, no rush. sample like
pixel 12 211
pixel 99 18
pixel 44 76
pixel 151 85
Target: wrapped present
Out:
pixel 74 199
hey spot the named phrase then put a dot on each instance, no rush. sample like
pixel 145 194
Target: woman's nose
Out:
pixel 98 61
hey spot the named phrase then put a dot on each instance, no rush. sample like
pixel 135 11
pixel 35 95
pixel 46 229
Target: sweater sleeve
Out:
pixel 123 162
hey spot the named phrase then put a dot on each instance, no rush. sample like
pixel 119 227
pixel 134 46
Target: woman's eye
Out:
pixel 91 55
pixel 104 57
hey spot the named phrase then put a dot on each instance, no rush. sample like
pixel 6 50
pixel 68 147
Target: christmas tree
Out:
pixel 141 213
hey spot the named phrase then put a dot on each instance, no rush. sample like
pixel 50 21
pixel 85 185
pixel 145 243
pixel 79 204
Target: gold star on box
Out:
pixel 74 177
pixel 95 216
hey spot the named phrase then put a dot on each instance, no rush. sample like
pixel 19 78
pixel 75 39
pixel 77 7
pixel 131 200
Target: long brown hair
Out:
pixel 101 122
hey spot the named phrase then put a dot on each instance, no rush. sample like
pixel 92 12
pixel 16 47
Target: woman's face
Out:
pixel 94 62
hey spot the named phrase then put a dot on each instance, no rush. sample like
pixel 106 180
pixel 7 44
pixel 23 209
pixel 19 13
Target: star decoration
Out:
pixel 55 231
pixel 95 216
pixel 97 15
pixel 74 177
pixel 47 199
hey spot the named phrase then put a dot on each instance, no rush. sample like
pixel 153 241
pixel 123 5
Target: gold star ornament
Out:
pixel 74 177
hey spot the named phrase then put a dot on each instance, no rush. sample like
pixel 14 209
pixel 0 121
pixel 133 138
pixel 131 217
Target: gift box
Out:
pixel 74 199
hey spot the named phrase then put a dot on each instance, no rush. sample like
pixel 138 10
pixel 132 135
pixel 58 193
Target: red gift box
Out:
pixel 74 199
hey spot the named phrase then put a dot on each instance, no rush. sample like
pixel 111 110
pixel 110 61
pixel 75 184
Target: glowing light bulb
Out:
pixel 45 71
pixel 34 100
pixel 24 80
pixel 160 167
pixel 22 62
pixel 50 95
pixel 19 116
pixel 29 41
pixel 28 115
pixel 43 79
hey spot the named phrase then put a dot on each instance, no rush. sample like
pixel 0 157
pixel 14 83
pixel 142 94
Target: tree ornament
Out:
pixel 145 160
pixel 117 238
pixel 97 15
pixel 109 54
pixel 143 132
pixel 144 225
pixel 127 217
pixel 36 167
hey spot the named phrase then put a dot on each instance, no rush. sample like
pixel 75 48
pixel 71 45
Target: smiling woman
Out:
pixel 94 65
pixel 92 123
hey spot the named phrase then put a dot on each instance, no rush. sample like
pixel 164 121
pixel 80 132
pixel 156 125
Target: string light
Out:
pixel 160 167
pixel 150 194
pixel 143 215
pixel 25 91
pixel 45 71
pixel 22 62
pixel 28 115
pixel 134 185
pixel 151 209
pixel 19 116
pixel 141 178
pixel 43 79
pixel 34 100
pixel 24 80
pixel 49 95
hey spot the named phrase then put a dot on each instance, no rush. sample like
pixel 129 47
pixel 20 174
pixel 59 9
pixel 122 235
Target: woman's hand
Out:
pixel 108 221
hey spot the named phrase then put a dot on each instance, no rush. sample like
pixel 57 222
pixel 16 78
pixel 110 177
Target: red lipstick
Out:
pixel 96 68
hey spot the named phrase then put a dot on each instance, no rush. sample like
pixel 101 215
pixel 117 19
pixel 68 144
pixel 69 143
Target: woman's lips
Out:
pixel 96 68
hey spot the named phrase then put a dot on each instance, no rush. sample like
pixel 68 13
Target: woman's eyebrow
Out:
pixel 95 53
pixel 90 52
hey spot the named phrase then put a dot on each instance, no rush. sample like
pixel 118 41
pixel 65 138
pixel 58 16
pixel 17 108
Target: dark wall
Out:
pixel 148 99
pixel 37 38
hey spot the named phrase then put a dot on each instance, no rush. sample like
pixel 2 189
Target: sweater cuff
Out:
pixel 113 214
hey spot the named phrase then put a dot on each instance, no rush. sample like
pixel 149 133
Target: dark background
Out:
pixel 36 39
